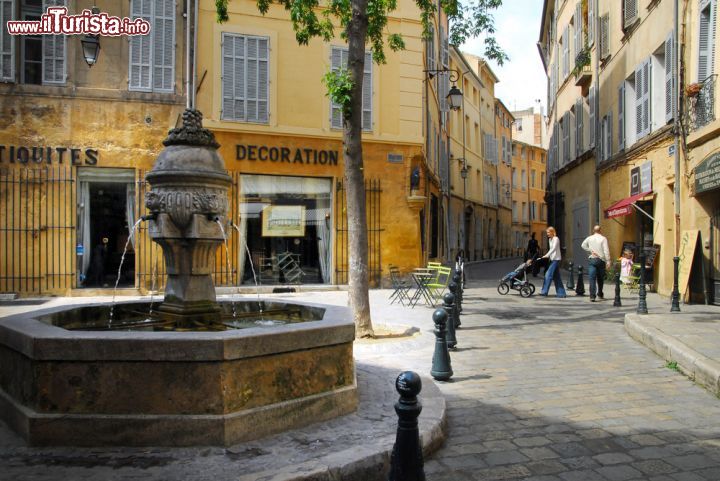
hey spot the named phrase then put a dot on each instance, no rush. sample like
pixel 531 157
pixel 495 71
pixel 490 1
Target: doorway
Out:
pixel 580 230
pixel 106 213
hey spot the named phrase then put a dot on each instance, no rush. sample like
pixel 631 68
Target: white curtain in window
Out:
pixel 322 228
pixel 84 227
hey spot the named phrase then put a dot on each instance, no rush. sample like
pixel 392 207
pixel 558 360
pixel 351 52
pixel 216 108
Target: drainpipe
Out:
pixel 676 95
pixel 194 61
pixel 597 111
pixel 188 91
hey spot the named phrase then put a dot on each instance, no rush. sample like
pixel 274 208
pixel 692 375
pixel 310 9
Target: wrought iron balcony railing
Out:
pixel 700 103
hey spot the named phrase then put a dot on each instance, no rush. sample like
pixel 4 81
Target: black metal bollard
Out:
pixel 616 302
pixel 441 369
pixel 451 308
pixel 580 286
pixel 406 462
pixel 571 282
pixel 457 277
pixel 675 298
pixel 642 294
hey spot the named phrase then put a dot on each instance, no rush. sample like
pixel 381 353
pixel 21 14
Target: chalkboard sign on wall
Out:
pixel 651 254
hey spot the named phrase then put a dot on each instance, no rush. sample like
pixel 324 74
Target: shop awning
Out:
pixel 623 207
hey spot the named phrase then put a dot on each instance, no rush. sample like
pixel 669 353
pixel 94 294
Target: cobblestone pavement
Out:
pixel 552 389
pixel 544 389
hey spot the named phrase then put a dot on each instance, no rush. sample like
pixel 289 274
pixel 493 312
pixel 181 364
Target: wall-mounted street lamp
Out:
pixel 91 45
pixel 455 95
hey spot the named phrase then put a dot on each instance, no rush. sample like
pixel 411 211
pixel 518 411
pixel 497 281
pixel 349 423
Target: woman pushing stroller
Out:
pixel 552 274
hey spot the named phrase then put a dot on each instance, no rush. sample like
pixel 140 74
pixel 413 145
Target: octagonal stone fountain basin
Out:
pixel 170 388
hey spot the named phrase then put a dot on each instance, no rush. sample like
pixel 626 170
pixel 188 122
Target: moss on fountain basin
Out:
pixel 140 388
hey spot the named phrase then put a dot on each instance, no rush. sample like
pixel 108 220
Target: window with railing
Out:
pixel 700 99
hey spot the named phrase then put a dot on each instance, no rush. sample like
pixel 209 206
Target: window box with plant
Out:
pixel 582 71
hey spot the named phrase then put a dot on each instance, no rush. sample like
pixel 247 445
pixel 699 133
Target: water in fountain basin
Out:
pixel 122 259
pixel 252 268
pixel 227 258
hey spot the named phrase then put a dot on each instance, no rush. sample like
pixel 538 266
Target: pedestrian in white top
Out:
pixel 552 274
pixel 599 259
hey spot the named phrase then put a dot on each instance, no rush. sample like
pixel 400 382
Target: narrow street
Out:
pixel 550 389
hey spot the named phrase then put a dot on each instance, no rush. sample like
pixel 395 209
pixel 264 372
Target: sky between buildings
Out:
pixel 522 79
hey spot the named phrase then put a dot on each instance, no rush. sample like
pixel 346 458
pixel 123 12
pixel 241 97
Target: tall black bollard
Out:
pixel 616 302
pixel 451 308
pixel 457 277
pixel 406 462
pixel 571 282
pixel 580 286
pixel 458 297
pixel 441 369
pixel 675 298
pixel 642 294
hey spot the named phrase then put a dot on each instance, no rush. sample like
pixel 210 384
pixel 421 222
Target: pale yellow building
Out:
pixel 629 160
pixel 503 135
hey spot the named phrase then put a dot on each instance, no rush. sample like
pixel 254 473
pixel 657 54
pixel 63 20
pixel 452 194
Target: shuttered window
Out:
pixel 566 52
pixel 706 40
pixel 621 116
pixel 669 79
pixel 53 52
pixel 630 12
pixel 591 102
pixel 579 127
pixel 578 31
pixel 339 59
pixel 591 22
pixel 152 57
pixel 245 78
pixel 566 138
pixel 7 42
pixel 604 36
pixel 642 99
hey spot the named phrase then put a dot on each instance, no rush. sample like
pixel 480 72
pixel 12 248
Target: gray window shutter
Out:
pixel 706 40
pixel 578 30
pixel 367 93
pixel 638 101
pixel 163 45
pixel 645 100
pixel 566 51
pixel 53 52
pixel 336 62
pixel 578 127
pixel 566 137
pixel 609 129
pixel 630 12
pixel 669 79
pixel 621 116
pixel 263 79
pixel 7 42
pixel 443 90
pixel 256 79
pixel 604 36
pixel 591 22
pixel 591 101
pixel 140 48
pixel 233 103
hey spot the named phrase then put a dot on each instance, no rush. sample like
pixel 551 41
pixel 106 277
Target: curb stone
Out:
pixel 370 462
pixel 698 367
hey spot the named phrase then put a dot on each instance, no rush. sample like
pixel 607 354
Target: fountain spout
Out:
pixel 188 199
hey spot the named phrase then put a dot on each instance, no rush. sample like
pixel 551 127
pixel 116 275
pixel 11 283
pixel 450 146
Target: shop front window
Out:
pixel 285 230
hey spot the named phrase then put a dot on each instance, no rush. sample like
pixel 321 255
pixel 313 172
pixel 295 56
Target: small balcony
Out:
pixel 700 103
pixel 582 70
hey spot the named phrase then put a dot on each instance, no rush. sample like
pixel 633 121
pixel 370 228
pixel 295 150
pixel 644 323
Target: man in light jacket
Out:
pixel 599 259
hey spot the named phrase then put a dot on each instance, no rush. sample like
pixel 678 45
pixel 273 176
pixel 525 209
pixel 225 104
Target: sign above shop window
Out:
pixel 29 156
pixel 286 155
pixel 641 179
pixel 707 174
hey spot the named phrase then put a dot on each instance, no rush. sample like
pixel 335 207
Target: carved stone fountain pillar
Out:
pixel 188 197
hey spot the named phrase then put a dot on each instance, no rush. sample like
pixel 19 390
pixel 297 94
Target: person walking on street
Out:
pixel 533 248
pixel 599 260
pixel 552 274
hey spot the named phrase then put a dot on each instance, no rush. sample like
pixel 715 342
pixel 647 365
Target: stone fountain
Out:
pixel 188 201
pixel 67 377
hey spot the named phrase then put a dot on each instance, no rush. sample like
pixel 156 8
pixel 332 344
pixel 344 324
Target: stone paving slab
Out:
pixel 691 340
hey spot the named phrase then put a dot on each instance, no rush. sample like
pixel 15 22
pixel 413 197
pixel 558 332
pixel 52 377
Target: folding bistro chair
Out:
pixel 400 287
pixel 436 287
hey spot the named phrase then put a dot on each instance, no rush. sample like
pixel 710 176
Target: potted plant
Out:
pixel 693 89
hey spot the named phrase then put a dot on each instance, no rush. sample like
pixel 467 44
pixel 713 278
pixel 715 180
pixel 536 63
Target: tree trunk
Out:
pixel 358 295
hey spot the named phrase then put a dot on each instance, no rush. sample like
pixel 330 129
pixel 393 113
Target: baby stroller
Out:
pixel 517 280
